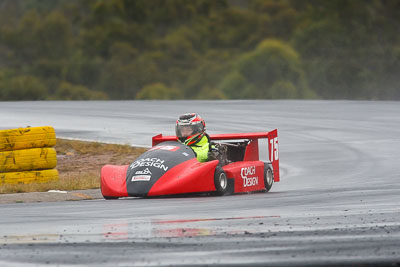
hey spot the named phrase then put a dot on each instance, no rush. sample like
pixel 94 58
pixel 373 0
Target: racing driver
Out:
pixel 190 130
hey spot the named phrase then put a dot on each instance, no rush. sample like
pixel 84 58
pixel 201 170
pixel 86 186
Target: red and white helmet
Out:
pixel 190 128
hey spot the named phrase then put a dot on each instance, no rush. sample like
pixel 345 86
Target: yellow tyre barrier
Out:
pixel 27 177
pixel 28 159
pixel 24 138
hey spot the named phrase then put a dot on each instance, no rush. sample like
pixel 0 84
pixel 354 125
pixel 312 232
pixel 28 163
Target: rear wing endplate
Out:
pixel 252 153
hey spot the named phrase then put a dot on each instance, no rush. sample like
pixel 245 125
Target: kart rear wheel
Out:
pixel 268 178
pixel 220 181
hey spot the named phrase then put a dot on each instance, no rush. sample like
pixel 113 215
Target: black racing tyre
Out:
pixel 27 177
pixel 25 138
pixel 220 181
pixel 28 159
pixel 268 177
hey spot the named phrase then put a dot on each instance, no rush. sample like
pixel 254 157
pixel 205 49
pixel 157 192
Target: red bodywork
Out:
pixel 184 178
pixel 192 176
pixel 113 181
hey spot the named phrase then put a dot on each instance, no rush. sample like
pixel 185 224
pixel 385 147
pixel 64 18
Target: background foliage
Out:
pixel 202 49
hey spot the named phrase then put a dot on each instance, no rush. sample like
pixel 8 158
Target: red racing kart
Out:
pixel 171 168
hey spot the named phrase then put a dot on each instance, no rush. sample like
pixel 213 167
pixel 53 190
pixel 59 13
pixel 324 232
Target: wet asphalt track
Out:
pixel 338 201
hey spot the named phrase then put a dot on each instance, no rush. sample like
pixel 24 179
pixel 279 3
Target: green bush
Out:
pixel 266 72
pixel 158 91
pixel 67 91
pixel 210 93
pixel 233 85
pixel 283 89
pixel 23 88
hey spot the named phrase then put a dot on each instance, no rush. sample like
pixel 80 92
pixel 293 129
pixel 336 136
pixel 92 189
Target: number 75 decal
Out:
pixel 273 148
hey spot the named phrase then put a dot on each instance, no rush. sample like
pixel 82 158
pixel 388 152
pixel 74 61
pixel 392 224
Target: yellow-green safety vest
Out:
pixel 201 149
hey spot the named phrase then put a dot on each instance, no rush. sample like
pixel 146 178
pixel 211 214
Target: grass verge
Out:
pixel 79 164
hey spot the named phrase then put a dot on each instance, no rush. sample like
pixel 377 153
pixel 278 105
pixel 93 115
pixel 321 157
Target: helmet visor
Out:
pixel 185 131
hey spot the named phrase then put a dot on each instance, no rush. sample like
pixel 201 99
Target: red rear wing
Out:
pixel 251 153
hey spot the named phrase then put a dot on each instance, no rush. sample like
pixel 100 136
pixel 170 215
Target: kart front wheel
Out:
pixel 268 178
pixel 220 181
pixel 109 198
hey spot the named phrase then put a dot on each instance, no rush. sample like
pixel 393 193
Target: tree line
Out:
pixel 199 49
